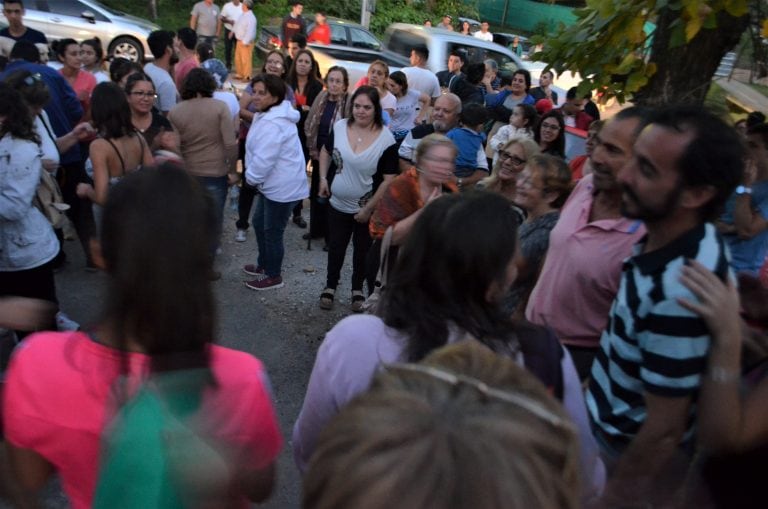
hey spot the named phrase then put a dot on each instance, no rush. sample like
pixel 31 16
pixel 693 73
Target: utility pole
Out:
pixel 366 7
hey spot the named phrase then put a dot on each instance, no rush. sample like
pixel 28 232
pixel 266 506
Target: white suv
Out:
pixel 121 34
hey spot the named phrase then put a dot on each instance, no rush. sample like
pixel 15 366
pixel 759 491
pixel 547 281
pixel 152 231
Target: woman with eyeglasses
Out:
pixel 356 164
pixel 155 128
pixel 448 284
pixel 119 149
pixel 550 134
pixel 513 157
pixel 542 189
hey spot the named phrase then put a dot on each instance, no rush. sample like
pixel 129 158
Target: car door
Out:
pixel 63 19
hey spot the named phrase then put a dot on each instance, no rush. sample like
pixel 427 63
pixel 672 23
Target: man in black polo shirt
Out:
pixel 653 353
pixel 14 13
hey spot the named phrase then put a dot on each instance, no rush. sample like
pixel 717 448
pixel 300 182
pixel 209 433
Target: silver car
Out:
pixel 121 34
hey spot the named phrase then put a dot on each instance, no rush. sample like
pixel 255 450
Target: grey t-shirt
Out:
pixel 167 95
pixel 207 18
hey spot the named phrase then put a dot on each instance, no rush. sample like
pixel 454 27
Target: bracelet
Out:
pixel 723 375
pixel 323 178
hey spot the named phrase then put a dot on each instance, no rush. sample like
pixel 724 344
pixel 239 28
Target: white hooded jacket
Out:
pixel 274 159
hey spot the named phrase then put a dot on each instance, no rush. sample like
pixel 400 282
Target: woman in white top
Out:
pixel 364 155
pixel 378 72
pixel 410 108
pixel 92 57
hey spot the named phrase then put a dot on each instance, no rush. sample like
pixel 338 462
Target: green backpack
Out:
pixel 152 455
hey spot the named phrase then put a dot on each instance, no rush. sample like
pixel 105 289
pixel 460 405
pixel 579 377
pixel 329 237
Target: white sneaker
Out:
pixel 240 236
pixel 65 323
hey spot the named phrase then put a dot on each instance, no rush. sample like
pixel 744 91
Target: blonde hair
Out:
pixel 381 63
pixel 430 141
pixel 464 428
pixel 530 149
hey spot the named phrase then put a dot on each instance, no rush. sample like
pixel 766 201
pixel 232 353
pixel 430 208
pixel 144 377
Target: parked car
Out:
pixel 352 46
pixel 121 34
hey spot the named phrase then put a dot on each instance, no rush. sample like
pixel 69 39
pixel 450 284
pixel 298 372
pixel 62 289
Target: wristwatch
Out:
pixel 743 190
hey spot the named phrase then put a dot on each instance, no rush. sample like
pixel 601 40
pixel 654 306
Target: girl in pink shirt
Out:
pixel 64 389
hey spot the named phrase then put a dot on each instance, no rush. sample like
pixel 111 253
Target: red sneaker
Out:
pixel 265 283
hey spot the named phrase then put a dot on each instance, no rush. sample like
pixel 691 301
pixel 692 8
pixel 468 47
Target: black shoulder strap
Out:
pixel 122 163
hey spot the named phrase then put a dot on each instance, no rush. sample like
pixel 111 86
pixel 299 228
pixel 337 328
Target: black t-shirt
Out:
pixel 31 35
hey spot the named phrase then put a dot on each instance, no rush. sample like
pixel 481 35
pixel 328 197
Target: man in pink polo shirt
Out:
pixel 590 241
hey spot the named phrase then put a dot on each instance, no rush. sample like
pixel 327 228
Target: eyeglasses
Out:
pixel 550 127
pixel 503 156
pixel 32 79
pixel 148 95
pixel 514 398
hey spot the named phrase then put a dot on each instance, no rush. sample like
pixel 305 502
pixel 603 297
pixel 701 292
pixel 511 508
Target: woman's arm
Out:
pixel 725 422
pixel 325 164
pixel 29 472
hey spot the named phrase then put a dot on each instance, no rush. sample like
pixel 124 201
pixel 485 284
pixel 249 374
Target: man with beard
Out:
pixel 653 354
pixel 581 272
pixel 445 116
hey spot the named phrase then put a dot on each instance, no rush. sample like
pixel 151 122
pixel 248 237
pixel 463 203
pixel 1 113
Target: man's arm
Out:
pixel 193 20
pixel 477 176
pixel 651 449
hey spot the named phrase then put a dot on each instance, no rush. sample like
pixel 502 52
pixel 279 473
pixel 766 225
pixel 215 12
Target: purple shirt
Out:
pixel 582 269
pixel 349 357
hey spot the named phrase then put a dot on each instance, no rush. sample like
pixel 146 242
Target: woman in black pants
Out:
pixel 329 107
pixel 364 154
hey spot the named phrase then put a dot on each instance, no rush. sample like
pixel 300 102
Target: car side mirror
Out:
pixel 89 15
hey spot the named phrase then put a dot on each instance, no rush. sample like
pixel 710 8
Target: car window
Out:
pixel 402 42
pixel 338 35
pixel 362 39
pixel 72 8
pixel 477 54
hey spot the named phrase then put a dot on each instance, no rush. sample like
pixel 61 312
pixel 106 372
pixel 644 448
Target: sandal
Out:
pixel 326 298
pixel 358 299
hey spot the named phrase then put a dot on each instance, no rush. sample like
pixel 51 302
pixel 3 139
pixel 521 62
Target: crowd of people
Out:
pixel 545 332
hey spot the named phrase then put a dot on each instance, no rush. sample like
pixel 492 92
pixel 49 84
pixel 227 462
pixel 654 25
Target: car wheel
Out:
pixel 127 47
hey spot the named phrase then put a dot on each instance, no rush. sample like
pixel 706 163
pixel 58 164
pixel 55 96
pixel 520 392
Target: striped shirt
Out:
pixel 652 343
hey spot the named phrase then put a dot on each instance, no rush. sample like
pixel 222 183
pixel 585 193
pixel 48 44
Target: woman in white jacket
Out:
pixel 274 163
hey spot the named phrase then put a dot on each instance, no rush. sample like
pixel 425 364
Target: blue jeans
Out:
pixel 217 190
pixel 269 221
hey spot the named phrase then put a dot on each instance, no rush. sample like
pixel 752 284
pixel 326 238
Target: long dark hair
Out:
pixel 110 111
pixel 314 74
pixel 373 95
pixel 155 245
pixel 459 247
pixel 18 117
pixel 557 147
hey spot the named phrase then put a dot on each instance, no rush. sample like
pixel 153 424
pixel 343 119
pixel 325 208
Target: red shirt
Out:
pixel 321 34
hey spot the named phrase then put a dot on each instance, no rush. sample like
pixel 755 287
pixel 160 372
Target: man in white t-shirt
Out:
pixel 419 77
pixel 229 15
pixel 483 33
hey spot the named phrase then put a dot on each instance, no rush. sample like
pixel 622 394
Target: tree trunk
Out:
pixel 685 72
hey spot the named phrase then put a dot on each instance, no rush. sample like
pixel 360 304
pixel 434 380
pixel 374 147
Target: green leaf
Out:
pixel 736 8
pixel 677 36
pixel 692 28
pixel 636 81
